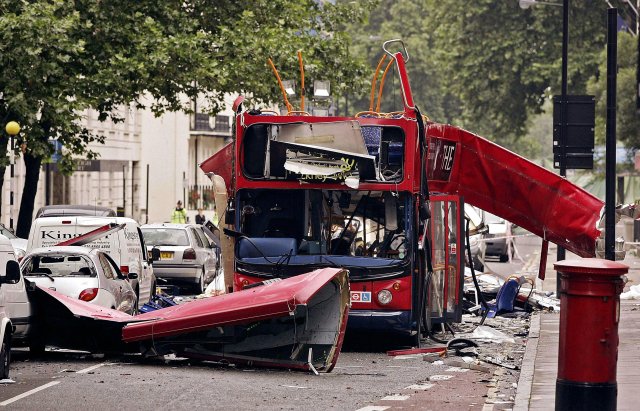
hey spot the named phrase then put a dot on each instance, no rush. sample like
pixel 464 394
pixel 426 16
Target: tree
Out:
pixel 61 57
pixel 488 65
pixel 627 120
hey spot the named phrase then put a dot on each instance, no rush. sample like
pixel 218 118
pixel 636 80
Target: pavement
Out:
pixel 537 382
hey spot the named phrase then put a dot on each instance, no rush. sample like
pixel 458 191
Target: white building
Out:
pixel 145 166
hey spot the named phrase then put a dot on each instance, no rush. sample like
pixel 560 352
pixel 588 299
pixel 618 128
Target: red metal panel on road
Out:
pixel 267 301
pixel 508 185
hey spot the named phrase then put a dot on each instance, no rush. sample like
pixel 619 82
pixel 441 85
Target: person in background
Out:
pixel 179 215
pixel 200 218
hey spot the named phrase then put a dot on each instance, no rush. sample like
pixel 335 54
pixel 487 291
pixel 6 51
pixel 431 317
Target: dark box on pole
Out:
pixel 575 146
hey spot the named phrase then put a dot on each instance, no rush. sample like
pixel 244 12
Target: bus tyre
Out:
pixel 5 356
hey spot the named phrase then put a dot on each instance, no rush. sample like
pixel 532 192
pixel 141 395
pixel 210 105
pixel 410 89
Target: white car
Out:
pixel 124 244
pixel 19 244
pixel 83 273
pixel 186 253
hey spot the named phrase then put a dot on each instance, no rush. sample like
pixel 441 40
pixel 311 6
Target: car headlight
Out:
pixel 385 297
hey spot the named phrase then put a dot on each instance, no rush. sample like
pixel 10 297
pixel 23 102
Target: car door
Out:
pixel 17 304
pixel 146 275
pixel 208 256
pixel 110 280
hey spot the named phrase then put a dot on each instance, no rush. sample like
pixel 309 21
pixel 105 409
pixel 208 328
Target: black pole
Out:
pixel 563 111
pixel 47 184
pixel 12 184
pixel 124 189
pixel 610 175
pixel 132 188
pixel 147 198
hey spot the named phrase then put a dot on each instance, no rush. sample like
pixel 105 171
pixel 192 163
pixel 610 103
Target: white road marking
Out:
pixel 28 393
pixel 374 408
pixel 93 367
pixel 294 386
pixel 395 397
pixel 420 387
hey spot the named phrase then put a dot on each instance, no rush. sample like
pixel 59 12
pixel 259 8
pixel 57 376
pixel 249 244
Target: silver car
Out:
pixel 83 273
pixel 186 253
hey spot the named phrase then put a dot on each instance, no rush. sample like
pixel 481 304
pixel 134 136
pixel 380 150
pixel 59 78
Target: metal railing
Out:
pixel 200 196
pixel 203 122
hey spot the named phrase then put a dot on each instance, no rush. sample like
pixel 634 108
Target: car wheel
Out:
pixel 200 284
pixel 5 356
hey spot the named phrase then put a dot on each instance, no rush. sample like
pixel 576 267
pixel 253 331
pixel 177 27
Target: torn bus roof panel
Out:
pixel 509 186
pixel 295 323
pixel 220 164
pixel 67 322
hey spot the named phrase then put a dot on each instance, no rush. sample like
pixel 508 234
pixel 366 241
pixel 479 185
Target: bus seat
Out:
pixel 266 246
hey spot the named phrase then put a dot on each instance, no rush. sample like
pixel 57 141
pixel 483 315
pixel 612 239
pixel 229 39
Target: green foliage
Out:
pixel 488 65
pixel 627 120
pixel 60 58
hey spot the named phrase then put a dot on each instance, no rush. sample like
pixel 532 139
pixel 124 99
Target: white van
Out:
pixel 125 246
pixel 14 305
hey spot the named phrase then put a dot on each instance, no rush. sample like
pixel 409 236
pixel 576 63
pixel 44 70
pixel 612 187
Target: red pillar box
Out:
pixel 588 352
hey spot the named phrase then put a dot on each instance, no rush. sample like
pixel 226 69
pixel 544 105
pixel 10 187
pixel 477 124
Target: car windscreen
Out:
pixel 165 236
pixel 59 265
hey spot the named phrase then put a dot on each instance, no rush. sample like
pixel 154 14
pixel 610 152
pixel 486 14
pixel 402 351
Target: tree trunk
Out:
pixel 32 175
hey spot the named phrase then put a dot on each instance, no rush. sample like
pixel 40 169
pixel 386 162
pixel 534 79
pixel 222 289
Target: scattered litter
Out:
pixel 413 351
pixel 295 386
pixel 407 357
pixel 484 333
pixel 501 363
pixel 632 294
pixel 7 381
pixel 439 377
pixel 462 347
pixel 419 387
pixel 456 369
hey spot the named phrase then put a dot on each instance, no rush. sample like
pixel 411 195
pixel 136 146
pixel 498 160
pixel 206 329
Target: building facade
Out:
pixel 145 166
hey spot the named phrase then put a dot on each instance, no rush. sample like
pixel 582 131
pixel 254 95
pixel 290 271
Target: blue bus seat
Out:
pixel 506 298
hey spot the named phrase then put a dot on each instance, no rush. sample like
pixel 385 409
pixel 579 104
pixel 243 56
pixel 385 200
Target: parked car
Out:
pixel 186 253
pixel 498 241
pixel 83 273
pixel 126 246
pixel 10 304
pixel 66 210
pixel 19 244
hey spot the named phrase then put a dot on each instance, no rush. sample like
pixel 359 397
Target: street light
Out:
pixel 12 129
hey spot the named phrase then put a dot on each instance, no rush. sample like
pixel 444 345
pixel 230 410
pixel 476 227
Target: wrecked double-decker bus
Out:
pixel 303 192
pixel 381 195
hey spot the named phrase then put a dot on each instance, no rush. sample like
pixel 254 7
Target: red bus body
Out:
pixel 285 210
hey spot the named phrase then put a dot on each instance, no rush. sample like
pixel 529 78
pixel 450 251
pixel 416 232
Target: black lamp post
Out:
pixel 12 129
